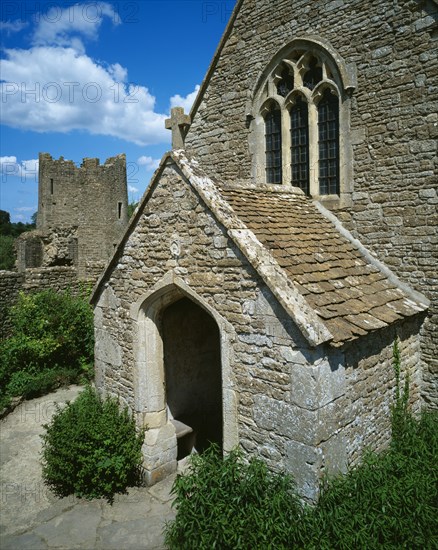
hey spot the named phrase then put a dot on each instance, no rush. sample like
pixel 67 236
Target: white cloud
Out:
pixel 25 209
pixel 56 87
pixel 64 26
pixel 10 27
pixel 132 189
pixel 148 162
pixel 185 102
pixel 49 89
pixel 10 166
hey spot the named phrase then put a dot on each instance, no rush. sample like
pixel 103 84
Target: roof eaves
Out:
pixel 419 299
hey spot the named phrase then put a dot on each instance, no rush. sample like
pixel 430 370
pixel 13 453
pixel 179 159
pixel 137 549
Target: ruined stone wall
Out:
pixel 91 198
pixel 290 398
pixel 393 128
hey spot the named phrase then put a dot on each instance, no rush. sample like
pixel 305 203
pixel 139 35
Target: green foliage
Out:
pixel 51 344
pixel 7 252
pixel 401 419
pixel 91 448
pixel 390 501
pixel 226 503
pixel 131 207
pixel 13 229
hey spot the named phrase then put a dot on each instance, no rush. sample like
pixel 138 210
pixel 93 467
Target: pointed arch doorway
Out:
pixel 192 373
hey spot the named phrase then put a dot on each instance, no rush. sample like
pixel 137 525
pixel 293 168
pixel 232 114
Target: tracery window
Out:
pixel 300 121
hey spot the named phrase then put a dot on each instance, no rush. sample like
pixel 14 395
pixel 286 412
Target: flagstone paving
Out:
pixel 32 518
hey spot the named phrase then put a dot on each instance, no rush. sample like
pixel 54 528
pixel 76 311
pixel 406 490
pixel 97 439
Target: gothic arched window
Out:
pixel 302 104
pixel 273 144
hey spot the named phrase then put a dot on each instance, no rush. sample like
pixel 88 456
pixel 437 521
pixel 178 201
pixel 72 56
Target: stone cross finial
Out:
pixel 178 123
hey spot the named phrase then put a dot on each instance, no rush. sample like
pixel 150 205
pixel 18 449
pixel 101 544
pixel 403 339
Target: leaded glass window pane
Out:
pixel 273 145
pixel 328 134
pixel 299 120
pixel 313 75
pixel 285 84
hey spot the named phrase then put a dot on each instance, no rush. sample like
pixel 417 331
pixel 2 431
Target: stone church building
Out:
pixel 284 243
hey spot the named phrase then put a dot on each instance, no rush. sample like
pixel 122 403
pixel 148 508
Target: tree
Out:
pixel 7 252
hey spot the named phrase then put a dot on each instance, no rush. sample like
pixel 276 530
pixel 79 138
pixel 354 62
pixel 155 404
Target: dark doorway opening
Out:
pixel 192 366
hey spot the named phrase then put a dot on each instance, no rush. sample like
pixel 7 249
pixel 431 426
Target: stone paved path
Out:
pixel 32 518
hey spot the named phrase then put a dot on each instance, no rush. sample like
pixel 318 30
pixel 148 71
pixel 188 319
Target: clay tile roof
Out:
pixel 350 295
pixel 329 284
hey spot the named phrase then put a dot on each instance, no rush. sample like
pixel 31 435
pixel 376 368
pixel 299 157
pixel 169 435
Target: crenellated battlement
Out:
pixel 82 213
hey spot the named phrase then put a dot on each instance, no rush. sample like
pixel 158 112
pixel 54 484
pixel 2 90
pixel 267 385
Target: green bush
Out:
pixel 390 501
pixel 51 343
pixel 226 503
pixel 91 448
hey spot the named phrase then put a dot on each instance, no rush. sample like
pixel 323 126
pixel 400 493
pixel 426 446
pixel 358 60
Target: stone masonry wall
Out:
pixel 394 124
pixel 92 199
pixel 370 386
pixel 288 394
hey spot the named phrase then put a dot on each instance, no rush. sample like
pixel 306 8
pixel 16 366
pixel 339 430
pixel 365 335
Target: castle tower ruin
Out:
pixel 82 213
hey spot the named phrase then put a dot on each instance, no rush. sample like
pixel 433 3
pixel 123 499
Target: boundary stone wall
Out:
pixel 36 280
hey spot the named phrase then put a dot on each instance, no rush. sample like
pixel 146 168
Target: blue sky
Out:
pixel 95 79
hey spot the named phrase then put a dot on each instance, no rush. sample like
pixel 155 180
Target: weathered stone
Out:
pixel 306 314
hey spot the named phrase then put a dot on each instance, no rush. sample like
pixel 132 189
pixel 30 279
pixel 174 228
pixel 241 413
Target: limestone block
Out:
pixel 331 382
pixel 154 476
pixel 98 317
pixel 107 349
pixel 335 455
pixel 285 419
pixel 304 386
pixel 304 463
pixel 108 299
pixel 152 419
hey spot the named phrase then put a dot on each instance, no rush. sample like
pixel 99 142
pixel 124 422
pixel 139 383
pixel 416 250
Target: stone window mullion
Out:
pixel 313 150
pixel 286 146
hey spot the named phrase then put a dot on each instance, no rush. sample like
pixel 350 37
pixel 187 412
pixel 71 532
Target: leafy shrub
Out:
pixel 51 343
pixel 390 501
pixel 91 448
pixel 226 503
